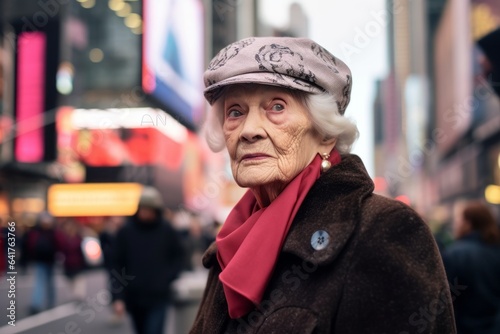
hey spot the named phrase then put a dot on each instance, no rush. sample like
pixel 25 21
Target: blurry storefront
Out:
pixel 486 116
pixel 437 118
pixel 28 99
pixel 115 95
pixel 143 145
pixel 453 103
pixel 401 110
pixel 468 110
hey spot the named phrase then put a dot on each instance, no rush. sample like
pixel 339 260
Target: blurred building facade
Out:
pixel 436 140
pixel 93 82
pixel 401 105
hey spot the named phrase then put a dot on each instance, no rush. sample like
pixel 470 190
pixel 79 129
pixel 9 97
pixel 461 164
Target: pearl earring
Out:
pixel 325 164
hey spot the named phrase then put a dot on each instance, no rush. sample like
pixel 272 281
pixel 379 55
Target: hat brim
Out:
pixel 213 92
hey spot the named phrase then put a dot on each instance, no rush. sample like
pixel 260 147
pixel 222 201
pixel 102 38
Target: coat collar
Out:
pixel 332 205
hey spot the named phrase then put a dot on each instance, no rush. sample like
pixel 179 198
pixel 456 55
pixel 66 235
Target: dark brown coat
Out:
pixel 380 272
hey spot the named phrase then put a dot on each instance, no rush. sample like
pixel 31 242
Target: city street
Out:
pixel 334 166
pixel 92 315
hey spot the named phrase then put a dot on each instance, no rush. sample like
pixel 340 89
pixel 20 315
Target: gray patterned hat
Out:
pixel 295 63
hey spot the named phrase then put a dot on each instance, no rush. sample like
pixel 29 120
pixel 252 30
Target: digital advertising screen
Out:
pixel 173 58
pixel 35 97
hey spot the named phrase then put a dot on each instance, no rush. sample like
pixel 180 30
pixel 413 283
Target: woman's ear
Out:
pixel 327 144
pixel 328 141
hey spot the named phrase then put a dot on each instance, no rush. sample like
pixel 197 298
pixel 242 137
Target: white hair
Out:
pixel 327 120
pixel 323 110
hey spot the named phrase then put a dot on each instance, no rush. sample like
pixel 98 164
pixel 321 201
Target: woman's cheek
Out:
pixel 231 142
pixel 286 140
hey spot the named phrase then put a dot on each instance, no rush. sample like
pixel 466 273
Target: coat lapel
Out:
pixel 210 256
pixel 332 205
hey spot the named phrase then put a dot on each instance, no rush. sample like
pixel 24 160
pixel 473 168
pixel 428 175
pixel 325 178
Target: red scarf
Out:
pixel 252 237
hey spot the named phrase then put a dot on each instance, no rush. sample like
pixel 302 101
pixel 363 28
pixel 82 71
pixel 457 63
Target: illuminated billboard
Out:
pixel 93 199
pixel 30 99
pixel 35 97
pixel 173 58
pixel 142 145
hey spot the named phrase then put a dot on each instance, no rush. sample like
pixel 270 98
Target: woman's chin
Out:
pixel 256 179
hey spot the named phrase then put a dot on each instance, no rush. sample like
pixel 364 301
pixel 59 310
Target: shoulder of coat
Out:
pixel 210 256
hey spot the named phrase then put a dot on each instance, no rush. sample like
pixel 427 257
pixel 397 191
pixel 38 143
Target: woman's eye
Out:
pixel 278 107
pixel 234 113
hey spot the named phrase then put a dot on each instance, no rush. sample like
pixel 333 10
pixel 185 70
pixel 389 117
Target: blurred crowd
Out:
pixel 142 255
pixel 469 241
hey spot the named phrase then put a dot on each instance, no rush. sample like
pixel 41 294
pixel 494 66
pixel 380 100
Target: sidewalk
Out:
pixel 93 314
pixel 90 315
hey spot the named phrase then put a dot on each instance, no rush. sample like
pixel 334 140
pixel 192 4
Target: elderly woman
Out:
pixel 309 248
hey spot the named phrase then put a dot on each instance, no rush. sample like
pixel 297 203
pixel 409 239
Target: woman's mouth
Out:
pixel 254 156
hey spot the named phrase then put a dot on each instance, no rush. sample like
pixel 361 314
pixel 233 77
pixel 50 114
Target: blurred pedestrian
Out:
pixel 148 257
pixel 309 248
pixel 439 222
pixel 74 261
pixel 107 236
pixel 41 247
pixel 490 63
pixel 197 240
pixel 4 233
pixel 21 244
pixel 473 262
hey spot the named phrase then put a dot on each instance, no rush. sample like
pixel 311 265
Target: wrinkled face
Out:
pixel 269 135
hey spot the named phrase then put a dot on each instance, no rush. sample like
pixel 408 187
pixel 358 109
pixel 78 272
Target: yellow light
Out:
pixel 34 205
pixel 116 5
pixel 498 161
pixel 133 20
pixel 4 205
pixel 93 199
pixel 483 20
pixel 124 11
pixel 96 55
pixel 88 4
pixel 492 194
pixel 137 30
pixel 18 205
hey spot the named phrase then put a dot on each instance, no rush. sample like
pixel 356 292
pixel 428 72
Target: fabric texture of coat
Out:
pixel 380 272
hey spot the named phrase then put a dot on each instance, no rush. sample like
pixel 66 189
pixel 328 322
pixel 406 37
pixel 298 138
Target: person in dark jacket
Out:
pixel 148 256
pixel 308 248
pixel 490 63
pixel 74 262
pixel 41 247
pixel 107 240
pixel 473 261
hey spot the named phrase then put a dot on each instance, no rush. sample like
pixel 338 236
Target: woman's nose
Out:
pixel 253 126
